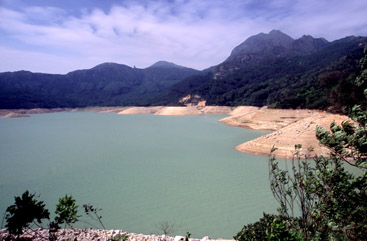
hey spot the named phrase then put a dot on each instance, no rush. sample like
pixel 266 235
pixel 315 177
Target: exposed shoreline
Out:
pixel 290 127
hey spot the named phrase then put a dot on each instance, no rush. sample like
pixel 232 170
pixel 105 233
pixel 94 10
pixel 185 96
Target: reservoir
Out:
pixel 141 170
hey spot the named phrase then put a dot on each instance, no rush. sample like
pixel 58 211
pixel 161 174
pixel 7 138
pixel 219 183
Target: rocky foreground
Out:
pixel 94 234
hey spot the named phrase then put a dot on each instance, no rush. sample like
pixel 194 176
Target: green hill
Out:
pixel 280 75
pixel 107 84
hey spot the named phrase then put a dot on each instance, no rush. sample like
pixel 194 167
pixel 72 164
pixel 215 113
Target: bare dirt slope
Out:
pixel 216 110
pixel 296 130
pixel 140 110
pixel 172 110
pixel 264 118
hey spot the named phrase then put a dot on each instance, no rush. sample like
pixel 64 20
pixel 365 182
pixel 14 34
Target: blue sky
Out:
pixel 58 36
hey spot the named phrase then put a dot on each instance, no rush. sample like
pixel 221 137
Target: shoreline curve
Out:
pixel 290 127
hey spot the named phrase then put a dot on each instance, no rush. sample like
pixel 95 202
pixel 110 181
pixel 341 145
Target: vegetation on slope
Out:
pixel 318 80
pixel 107 84
pixel 322 201
pixel 267 69
pixel 28 215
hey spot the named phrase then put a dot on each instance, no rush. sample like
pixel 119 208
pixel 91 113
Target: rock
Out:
pixel 178 238
pixel 94 235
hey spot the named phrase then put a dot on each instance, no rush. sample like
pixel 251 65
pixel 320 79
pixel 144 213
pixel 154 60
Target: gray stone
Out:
pixel 178 238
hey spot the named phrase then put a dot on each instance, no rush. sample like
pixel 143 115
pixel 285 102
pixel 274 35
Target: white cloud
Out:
pixel 14 60
pixel 192 33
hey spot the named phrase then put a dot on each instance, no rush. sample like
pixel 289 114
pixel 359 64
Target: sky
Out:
pixel 59 36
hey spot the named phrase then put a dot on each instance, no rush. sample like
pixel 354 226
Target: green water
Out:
pixel 141 169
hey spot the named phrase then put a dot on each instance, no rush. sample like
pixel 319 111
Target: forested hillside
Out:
pixel 318 79
pixel 107 84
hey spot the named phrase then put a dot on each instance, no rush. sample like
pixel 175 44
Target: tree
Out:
pixel 26 211
pixel 167 227
pixel 322 201
pixel 66 211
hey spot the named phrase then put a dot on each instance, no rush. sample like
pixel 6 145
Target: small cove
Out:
pixel 140 169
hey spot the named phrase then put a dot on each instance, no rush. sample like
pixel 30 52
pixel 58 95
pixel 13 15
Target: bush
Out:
pixel 269 227
pixel 24 212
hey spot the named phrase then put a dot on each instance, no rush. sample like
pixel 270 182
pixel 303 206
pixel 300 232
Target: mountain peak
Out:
pixel 276 32
pixel 164 64
pixel 268 47
pixel 109 65
pixel 277 44
pixel 306 37
pixel 261 41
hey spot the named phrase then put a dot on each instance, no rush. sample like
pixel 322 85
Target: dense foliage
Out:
pixel 24 212
pixel 269 227
pixel 29 213
pixel 322 200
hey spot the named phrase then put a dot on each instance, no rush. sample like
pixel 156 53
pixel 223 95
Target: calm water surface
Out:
pixel 140 169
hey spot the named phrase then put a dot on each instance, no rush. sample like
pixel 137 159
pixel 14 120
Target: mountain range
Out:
pixel 107 84
pixel 275 70
pixel 267 69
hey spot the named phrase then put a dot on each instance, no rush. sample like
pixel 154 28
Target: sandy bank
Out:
pixel 179 111
pixel 100 109
pixel 264 118
pixel 243 110
pixel 195 110
pixel 216 110
pixel 157 110
pixel 27 112
pixel 301 132
pixel 15 115
pixel 140 110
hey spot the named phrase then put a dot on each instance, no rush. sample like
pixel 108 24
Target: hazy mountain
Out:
pixel 105 84
pixel 165 64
